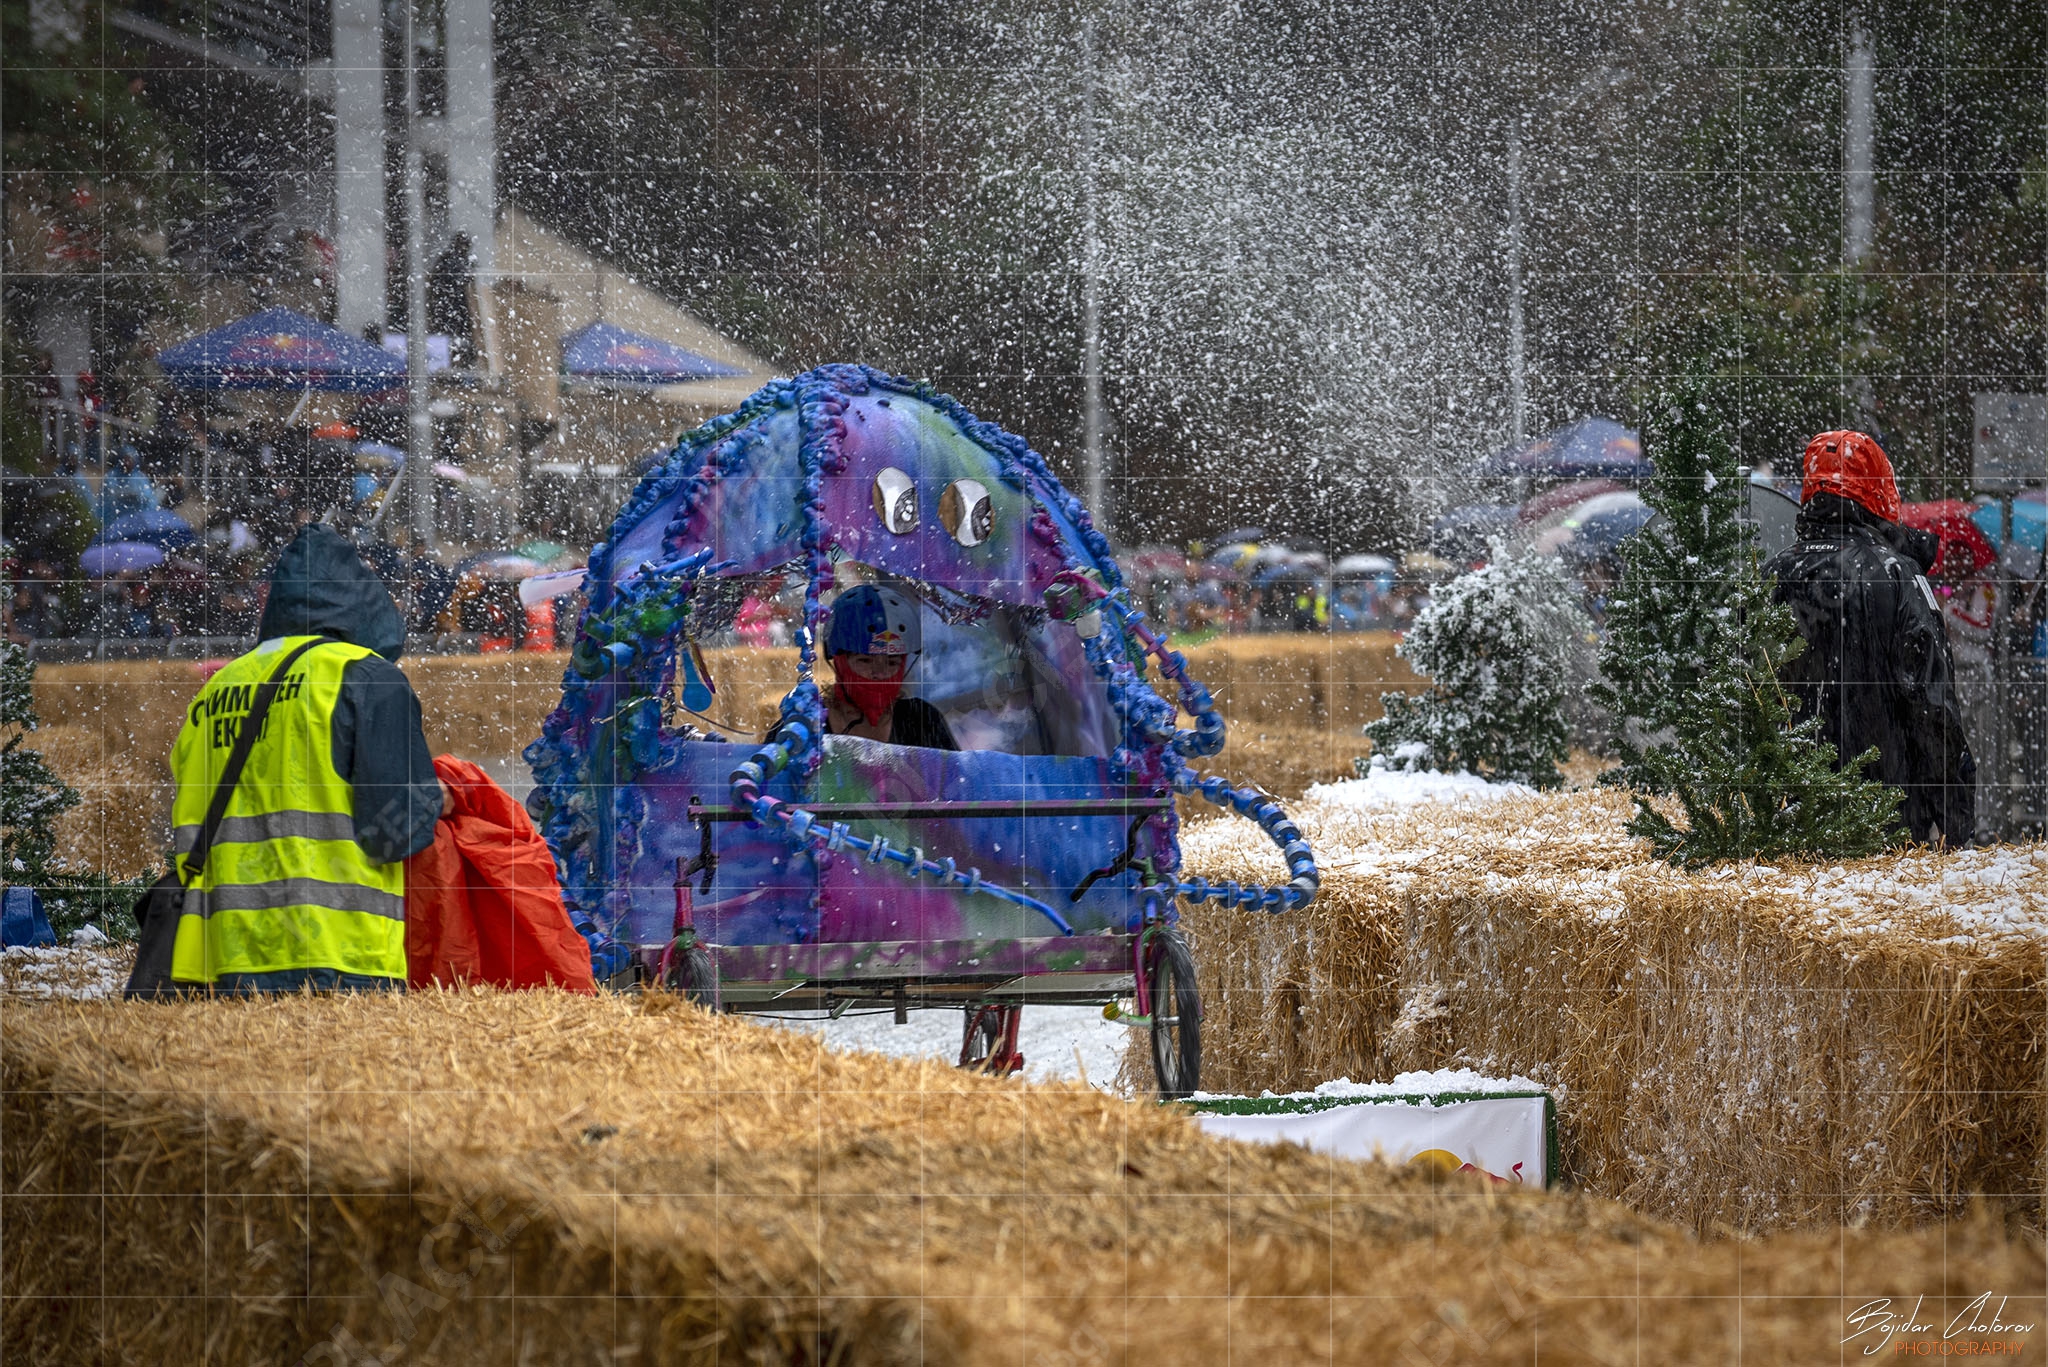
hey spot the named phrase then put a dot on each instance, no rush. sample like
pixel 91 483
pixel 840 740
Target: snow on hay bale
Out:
pixel 481 1178
pixel 1748 1046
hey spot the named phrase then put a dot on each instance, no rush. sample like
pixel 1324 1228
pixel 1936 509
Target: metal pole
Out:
pixel 1859 197
pixel 419 449
pixel 1859 122
pixel 1091 297
pixel 1518 365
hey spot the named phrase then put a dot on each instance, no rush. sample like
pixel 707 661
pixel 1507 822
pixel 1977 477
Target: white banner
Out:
pixel 1507 1138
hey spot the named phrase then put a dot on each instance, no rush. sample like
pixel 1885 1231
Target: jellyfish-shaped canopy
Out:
pixel 1067 753
pixel 846 463
pixel 835 466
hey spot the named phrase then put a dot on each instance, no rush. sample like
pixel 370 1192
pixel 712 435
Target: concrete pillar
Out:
pixel 359 229
pixel 1859 134
pixel 471 131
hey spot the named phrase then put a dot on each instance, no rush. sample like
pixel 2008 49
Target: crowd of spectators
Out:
pixel 237 494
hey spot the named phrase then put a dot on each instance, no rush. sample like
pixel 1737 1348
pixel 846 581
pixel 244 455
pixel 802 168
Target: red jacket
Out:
pixel 481 902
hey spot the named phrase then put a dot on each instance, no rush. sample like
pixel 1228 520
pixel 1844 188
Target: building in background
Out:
pixel 301 107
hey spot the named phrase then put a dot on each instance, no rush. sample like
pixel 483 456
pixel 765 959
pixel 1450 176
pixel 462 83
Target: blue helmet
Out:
pixel 870 619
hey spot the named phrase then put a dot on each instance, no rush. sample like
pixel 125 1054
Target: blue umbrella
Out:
pixel 2029 522
pixel 280 349
pixel 1591 448
pixel 605 351
pixel 119 557
pixel 154 526
pixel 1599 534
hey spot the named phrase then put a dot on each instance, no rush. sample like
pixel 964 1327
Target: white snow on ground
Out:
pixel 1059 1042
pixel 1382 788
pixel 1428 1083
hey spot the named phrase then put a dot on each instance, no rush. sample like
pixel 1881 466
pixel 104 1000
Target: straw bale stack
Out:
pixel 122 822
pixel 1749 1047
pixel 108 725
pixel 484 705
pixel 117 707
pixel 487 705
pixel 1308 680
pixel 470 1177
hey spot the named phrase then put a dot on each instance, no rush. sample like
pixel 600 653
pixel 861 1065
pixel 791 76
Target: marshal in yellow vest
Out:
pixel 285 886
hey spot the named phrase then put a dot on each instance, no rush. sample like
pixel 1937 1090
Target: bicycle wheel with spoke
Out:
pixel 978 1043
pixel 1176 1016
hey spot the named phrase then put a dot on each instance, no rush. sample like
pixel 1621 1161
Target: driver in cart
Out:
pixel 872 642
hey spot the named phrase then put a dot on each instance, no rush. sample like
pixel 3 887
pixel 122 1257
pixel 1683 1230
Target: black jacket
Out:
pixel 1876 667
pixel 913 721
pixel 320 585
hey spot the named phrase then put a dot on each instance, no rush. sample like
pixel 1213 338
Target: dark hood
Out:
pixel 321 586
pixel 1827 515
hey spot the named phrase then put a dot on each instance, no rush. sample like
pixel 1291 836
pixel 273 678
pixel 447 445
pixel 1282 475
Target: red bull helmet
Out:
pixel 872 619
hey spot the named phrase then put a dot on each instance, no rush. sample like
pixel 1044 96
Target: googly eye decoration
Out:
pixel 966 511
pixel 896 501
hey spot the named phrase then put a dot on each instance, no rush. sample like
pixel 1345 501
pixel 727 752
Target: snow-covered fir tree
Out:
pixel 1691 668
pixel 1495 645
pixel 32 797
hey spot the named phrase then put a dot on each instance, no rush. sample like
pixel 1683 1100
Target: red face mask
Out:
pixel 874 697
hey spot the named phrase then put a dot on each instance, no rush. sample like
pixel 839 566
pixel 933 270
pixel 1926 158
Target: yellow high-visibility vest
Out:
pixel 285 885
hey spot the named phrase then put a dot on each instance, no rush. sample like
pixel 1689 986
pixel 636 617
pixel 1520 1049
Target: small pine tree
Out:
pixel 1495 645
pixel 32 797
pixel 1691 672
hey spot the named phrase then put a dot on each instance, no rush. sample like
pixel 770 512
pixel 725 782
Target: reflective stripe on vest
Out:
pixel 293 893
pixel 285 885
pixel 271 826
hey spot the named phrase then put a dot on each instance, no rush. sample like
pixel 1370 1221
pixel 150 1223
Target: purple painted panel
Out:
pixel 765 894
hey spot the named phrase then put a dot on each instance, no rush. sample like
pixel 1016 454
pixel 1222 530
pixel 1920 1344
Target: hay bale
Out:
pixel 109 725
pixel 71 972
pixel 1750 1047
pixel 468 1177
pixel 122 824
pixel 1307 681
pixel 126 706
pixel 493 704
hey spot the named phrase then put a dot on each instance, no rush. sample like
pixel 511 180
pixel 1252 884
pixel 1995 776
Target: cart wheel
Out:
pixel 984 1026
pixel 1176 1016
pixel 990 1042
pixel 693 974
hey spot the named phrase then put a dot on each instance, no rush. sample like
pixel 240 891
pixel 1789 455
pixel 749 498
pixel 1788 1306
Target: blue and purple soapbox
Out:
pixel 1038 863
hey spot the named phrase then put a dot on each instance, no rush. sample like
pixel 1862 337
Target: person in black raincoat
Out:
pixel 1876 667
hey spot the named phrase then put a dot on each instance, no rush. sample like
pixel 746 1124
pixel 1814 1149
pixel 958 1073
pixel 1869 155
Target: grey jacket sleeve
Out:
pixel 382 752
